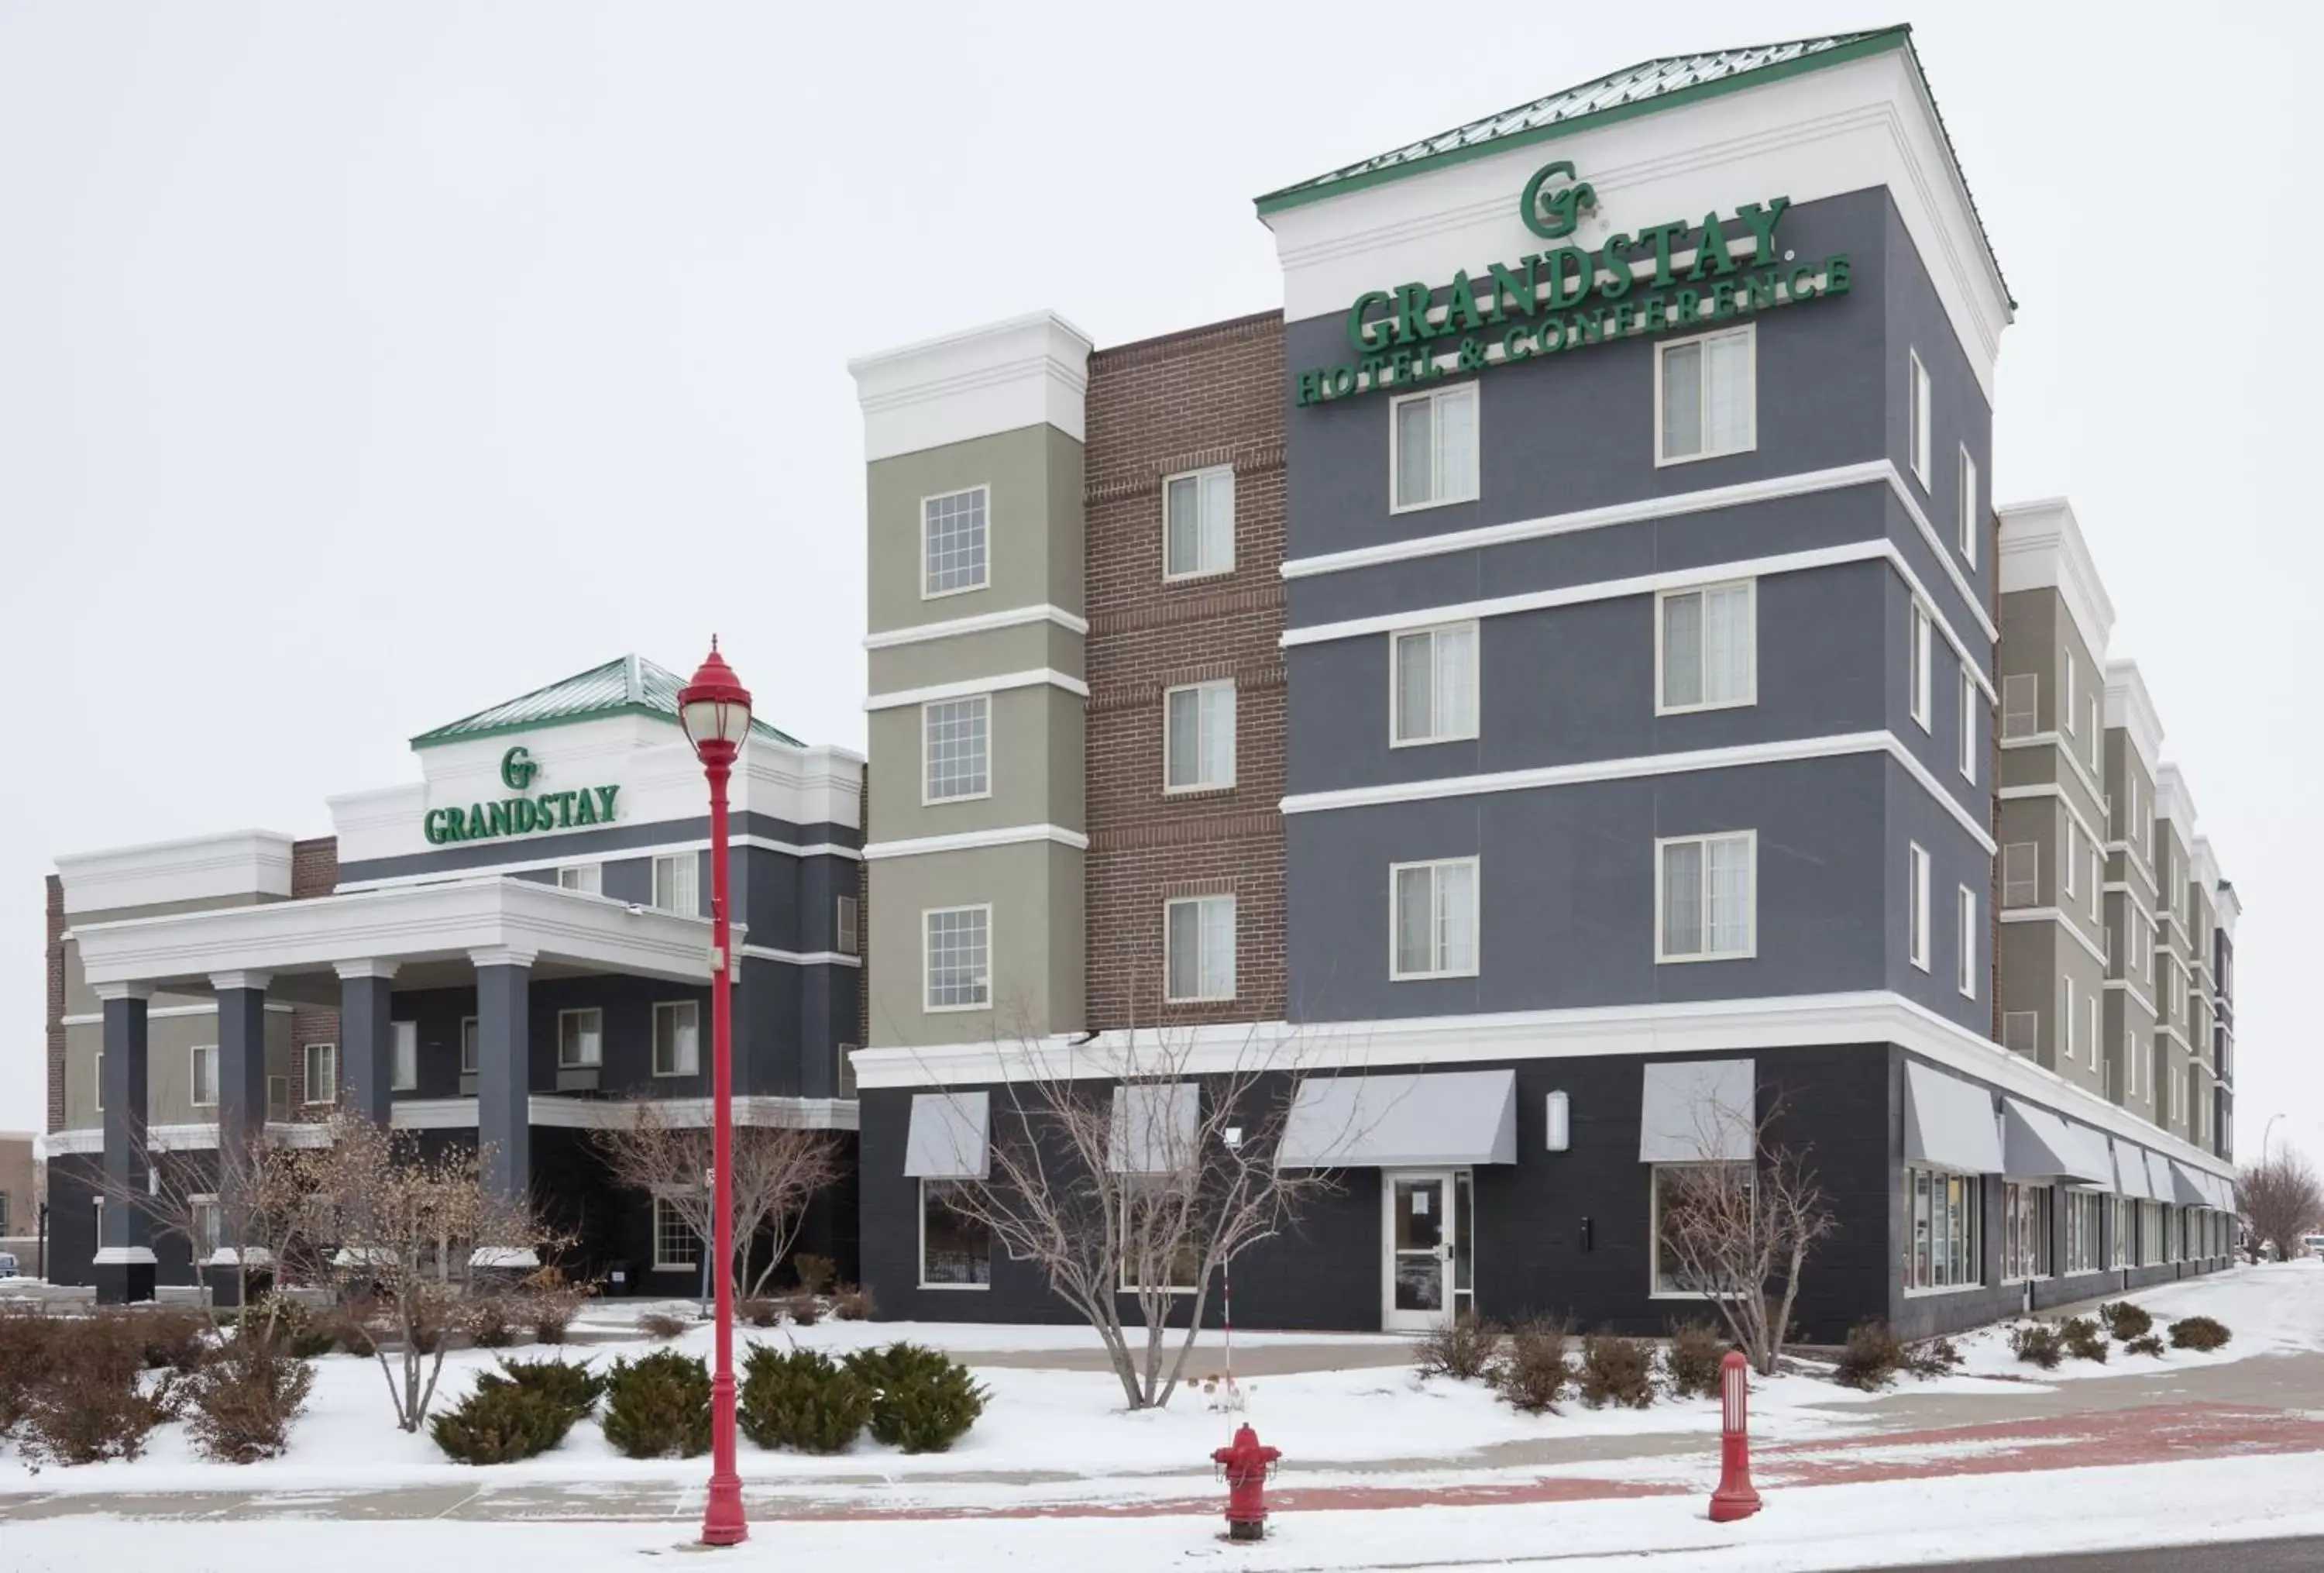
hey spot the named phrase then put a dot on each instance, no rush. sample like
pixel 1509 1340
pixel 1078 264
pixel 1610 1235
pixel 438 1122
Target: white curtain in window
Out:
pixel 1726 414
pixel 1415 451
pixel 1456 443
pixel 1455 653
pixel 1682 899
pixel 1729 886
pixel 1414 921
pixel 1727 644
pixel 1683 650
pixel 1456 917
pixel 1683 400
pixel 1414 687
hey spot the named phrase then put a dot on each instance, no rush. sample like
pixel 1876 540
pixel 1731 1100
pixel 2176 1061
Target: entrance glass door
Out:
pixel 1421 1235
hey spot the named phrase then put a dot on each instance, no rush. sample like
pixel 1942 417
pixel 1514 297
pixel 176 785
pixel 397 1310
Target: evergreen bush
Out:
pixel 2084 1340
pixel 2125 1320
pixel 2202 1334
pixel 802 1400
pixel 2038 1344
pixel 2146 1344
pixel 574 1388
pixel 922 1400
pixel 500 1424
pixel 658 1406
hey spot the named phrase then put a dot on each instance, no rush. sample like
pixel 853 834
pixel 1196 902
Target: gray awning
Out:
pixel 1698 1111
pixel 2223 1193
pixel 1155 1126
pixel 1452 1117
pixel 947 1136
pixel 2158 1178
pixel 2188 1188
pixel 1949 1122
pixel 2130 1172
pixel 2037 1144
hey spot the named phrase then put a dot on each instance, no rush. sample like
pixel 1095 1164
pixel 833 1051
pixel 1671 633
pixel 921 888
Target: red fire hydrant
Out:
pixel 1735 1498
pixel 1246 1464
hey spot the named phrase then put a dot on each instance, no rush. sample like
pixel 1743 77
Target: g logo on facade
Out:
pixel 1553 212
pixel 518 769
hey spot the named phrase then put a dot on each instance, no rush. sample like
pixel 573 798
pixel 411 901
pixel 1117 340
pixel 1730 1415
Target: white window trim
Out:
pixel 920 1255
pixel 472 1066
pixel 194 1077
pixel 1969 696
pixel 1476 469
pixel 1749 333
pixel 1965 916
pixel 653 1048
pixel 305 1063
pixel 1476 918
pixel 921 565
pixel 1924 661
pixel 927 801
pixel 1235 731
pixel 1395 689
pixel 847 924
pixel 654 1224
pixel 576 1010
pixel 1976 1180
pixel 928 979
pixel 1968 509
pixel 1185 474
pixel 1751 610
pixel 1655 1229
pixel 1234 928
pixel 1920 441
pixel 1916 863
pixel 653 873
pixel 396 1033
pixel 595 876
pixel 1751 948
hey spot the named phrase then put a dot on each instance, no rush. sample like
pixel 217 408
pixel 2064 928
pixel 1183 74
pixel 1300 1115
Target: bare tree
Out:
pixel 1132 1182
pixel 777 1170
pixel 1740 1232
pixel 2281 1201
pixel 425 1236
pixel 248 1211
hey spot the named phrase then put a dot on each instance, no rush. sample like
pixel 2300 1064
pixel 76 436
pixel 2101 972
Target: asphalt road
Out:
pixel 2300 1556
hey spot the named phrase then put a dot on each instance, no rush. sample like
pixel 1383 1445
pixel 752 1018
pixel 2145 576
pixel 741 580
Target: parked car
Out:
pixel 2313 1244
pixel 7 1265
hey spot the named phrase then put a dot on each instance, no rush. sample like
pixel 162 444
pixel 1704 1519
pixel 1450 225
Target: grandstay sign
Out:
pixel 527 814
pixel 1573 295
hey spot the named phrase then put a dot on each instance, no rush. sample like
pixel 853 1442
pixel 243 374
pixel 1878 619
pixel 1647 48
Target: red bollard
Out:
pixel 1246 1466
pixel 1735 1498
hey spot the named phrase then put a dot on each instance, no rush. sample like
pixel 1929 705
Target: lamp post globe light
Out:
pixel 715 709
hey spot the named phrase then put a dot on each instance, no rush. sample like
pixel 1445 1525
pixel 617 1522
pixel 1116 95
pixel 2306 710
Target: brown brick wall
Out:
pixel 56 1001
pixel 313 867
pixel 1209 396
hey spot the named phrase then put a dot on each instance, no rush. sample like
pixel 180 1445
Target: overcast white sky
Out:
pixel 363 365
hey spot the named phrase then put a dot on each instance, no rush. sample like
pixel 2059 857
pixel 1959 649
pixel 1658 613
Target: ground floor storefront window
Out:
pixel 2083 1211
pixel 2121 1226
pixel 2024 1232
pixel 1948 1229
pixel 955 1249
pixel 1693 1206
pixel 2150 1233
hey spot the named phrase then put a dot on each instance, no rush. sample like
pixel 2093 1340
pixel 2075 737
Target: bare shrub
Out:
pixel 1616 1370
pixel 28 1340
pixel 94 1400
pixel 2281 1201
pixel 2038 1344
pixel 492 1323
pixel 240 1404
pixel 1461 1348
pixel 815 1273
pixel 2084 1340
pixel 2125 1320
pixel 1932 1357
pixel 1872 1357
pixel 2144 1344
pixel 1531 1374
pixel 1694 1359
pixel 853 1303
pixel 803 1308
pixel 662 1325
pixel 760 1313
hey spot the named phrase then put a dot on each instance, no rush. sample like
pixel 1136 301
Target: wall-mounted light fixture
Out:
pixel 1559 1127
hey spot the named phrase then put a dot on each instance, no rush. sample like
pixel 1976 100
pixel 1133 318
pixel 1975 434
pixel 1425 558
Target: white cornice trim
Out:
pixel 2050 789
pixel 1943 554
pixel 2063 919
pixel 799 957
pixel 1784 752
pixel 122 1256
pixel 115 989
pixel 96 1018
pixel 1001 376
pixel 2125 985
pixel 2133 858
pixel 2129 706
pixel 965 840
pixel 982 623
pixel 232 863
pixel 979 685
pixel 610 855
pixel 459 1114
pixel 2043 548
pixel 224 982
pixel 1869 1017
pixel 2073 762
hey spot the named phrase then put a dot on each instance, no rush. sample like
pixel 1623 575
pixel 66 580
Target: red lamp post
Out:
pixel 714 708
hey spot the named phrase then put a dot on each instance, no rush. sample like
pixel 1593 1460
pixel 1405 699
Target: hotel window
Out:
pixel 1706 647
pixel 207 1235
pixel 955 1248
pixel 2070 855
pixel 677 1037
pixel 467 1045
pixel 2066 1016
pixel 677 1243
pixel 1969 512
pixel 2121 1213
pixel 322 1073
pixel 2021 1031
pixel 1435 918
pixel 1674 1188
pixel 2021 702
pixel 2024 1232
pixel 2066 714
pixel 2098 735
pixel 406 1071
pixel 953 543
pixel 1198 737
pixel 1706 395
pixel 1199 946
pixel 2021 875
pixel 1704 890
pixel 1916 418
pixel 2097 881
pixel 676 883
pixel 845 1078
pixel 956 959
pixel 2083 1210
pixel 587 877
pixel 1916 904
pixel 580 1038
pixel 2130 1064
pixel 97 1078
pixel 205 1076
pixel 1150 1207
pixel 956 742
pixel 1198 526
pixel 1920 657
pixel 1434 694
pixel 1434 455
pixel 5 1230
pixel 1969 708
pixel 1946 1245
pixel 1965 945
pixel 846 937
pixel 2091 1029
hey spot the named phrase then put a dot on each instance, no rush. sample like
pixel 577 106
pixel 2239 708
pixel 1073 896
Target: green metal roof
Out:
pixel 1639 89
pixel 630 685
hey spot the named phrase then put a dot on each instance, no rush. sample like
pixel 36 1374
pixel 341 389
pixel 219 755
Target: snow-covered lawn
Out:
pixel 1065 1433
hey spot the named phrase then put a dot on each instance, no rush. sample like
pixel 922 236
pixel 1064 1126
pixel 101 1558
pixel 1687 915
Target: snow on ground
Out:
pixel 1805 1530
pixel 1062 1433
